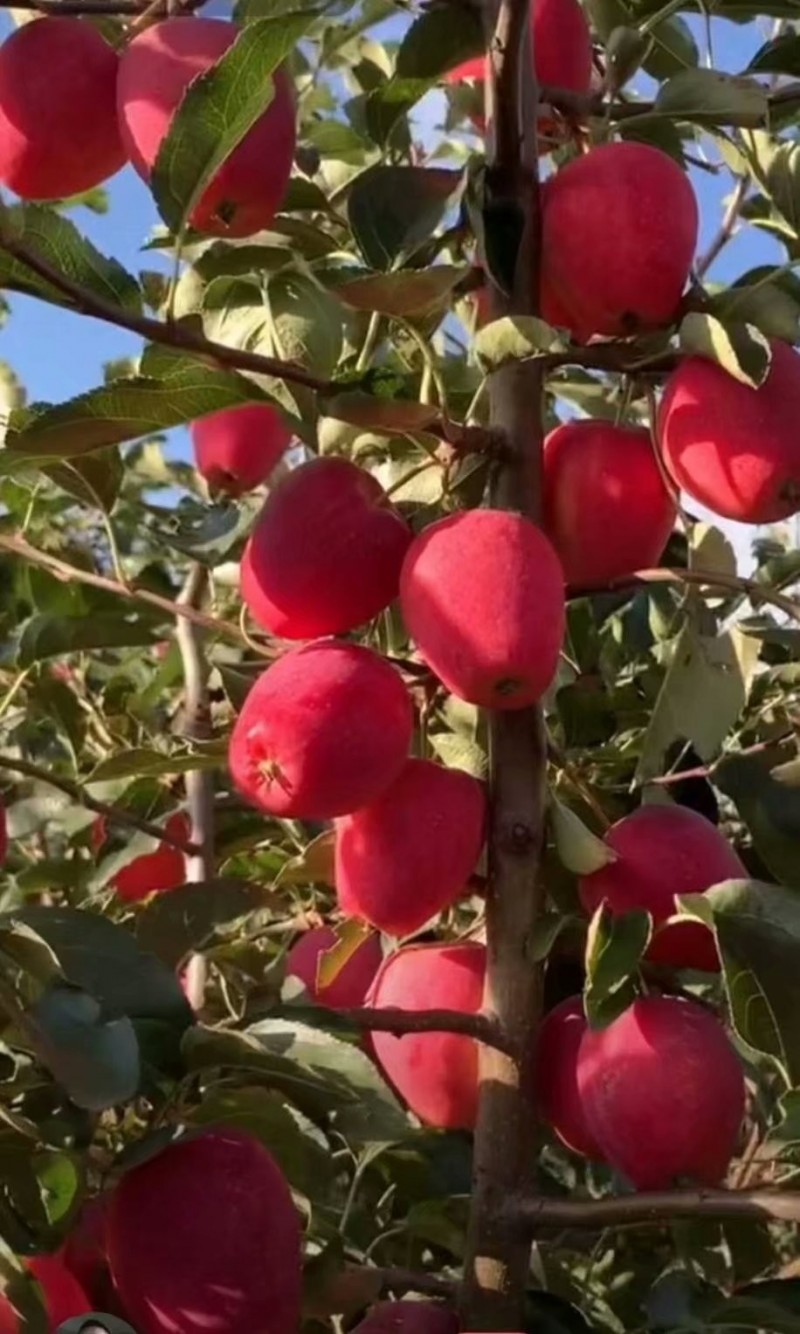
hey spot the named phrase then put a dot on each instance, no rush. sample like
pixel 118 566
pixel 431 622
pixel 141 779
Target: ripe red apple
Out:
pixel 562 49
pixel 408 855
pixel 663 851
pixel 435 1073
pixel 733 448
pixel 155 872
pixel 155 70
pixel 84 1253
pixel 62 1293
pixel 606 508
pixel 58 125
pixel 325 553
pixel 237 448
pixel 323 731
pixel 205 1239
pixel 408 1318
pixel 557 1091
pixel 619 229
pixel 482 593
pixel 353 980
pixel 663 1093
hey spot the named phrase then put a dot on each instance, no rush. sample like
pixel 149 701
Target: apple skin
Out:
pixel 63 1295
pixel 664 851
pixel 557 1092
pixel 436 1074
pixel 326 551
pixel 323 731
pixel 733 448
pixel 408 1318
pixel 236 449
pixel 155 872
pixel 482 594
pixel 155 70
pixel 606 508
pixel 58 123
pixel 204 1238
pixel 619 230
pixel 408 855
pixel 351 984
pixel 663 1093
pixel 84 1254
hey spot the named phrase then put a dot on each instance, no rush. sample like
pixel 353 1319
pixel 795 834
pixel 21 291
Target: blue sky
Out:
pixel 58 355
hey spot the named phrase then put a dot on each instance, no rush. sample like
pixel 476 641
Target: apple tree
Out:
pixel 400 816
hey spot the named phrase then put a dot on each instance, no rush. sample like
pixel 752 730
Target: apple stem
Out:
pixel 195 725
pixel 492 1293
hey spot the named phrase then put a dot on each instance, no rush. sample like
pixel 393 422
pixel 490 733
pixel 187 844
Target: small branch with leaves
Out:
pixel 655 1209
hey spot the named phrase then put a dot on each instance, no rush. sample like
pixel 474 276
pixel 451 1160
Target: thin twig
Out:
pixel 726 227
pixel 18 546
pixel 406 1280
pixel 390 1019
pixel 114 814
pixel 655 1208
pixel 734 583
pixel 195 725
pixel 708 770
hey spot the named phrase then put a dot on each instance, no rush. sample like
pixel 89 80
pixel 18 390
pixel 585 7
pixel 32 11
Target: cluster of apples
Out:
pixel 73 111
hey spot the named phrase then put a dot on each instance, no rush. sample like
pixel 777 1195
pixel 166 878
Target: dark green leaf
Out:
pixel 44 637
pixel 136 763
pixel 779 56
pixel 95 1062
pixel 57 241
pixel 94 480
pixel 614 949
pixel 217 111
pixel 188 918
pixel 767 797
pixel 707 97
pixel 405 292
pixel 392 210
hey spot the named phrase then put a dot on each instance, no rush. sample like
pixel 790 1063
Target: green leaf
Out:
pixel 389 416
pixel 127 410
pixel 57 241
pixel 44 637
pixel 614 949
pixel 172 925
pixel 460 752
pixel 704 691
pixel 707 97
pixel 393 210
pixel 758 934
pixel 514 338
pixel 306 322
pixel 95 1062
pixel 217 110
pixel 740 349
pixel 626 49
pixel 138 762
pixel 579 850
pixel 438 40
pixel 779 56
pixel 312 866
pixel 94 480
pixel 767 797
pixel 764 297
pixel 404 292
pixel 782 181
pixel 710 549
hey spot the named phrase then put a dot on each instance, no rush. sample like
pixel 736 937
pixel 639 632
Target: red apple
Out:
pixel 482 593
pixel 325 553
pixel 354 978
pixel 733 448
pixel 557 1077
pixel 435 1073
pixel 63 1296
pixel 205 1239
pixel 663 1093
pixel 619 229
pixel 562 45
pixel 58 125
pixel 606 508
pixel 155 71
pixel 323 731
pixel 663 851
pixel 408 1318
pixel 408 855
pixel 84 1253
pixel 237 448
pixel 155 872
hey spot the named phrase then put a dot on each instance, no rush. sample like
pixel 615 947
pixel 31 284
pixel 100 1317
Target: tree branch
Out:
pixel 196 726
pixel 726 227
pixel 655 1208
pixel 708 770
pixel 159 331
pixel 113 814
pixel 390 1019
pixel 496 1261
pixel 406 1280
pixel 734 583
pixel 60 569
pixel 579 106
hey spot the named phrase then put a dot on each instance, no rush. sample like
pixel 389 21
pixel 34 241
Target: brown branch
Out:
pixel 734 583
pixel 708 770
pixel 195 725
pixel 496 1261
pixel 579 106
pixel 158 331
pixel 406 1280
pixel 114 814
pixel 391 1019
pixel 655 1209
pixel 726 227
pixel 18 546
